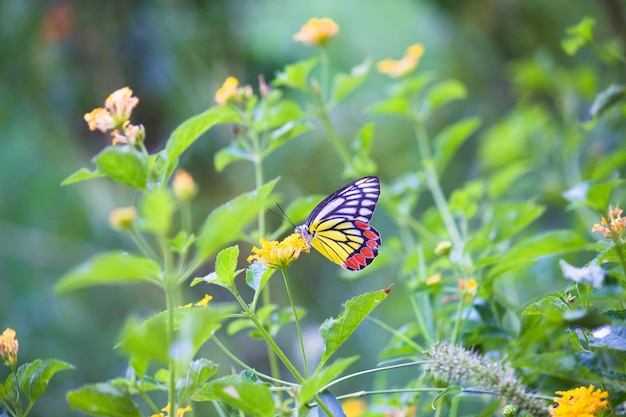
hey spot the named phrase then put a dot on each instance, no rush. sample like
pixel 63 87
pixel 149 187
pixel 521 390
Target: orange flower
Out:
pixel 9 347
pixel 183 185
pixel 317 32
pixel 116 114
pixel 123 218
pixel 612 227
pixel 354 407
pixel 279 255
pixel 468 287
pixel 99 119
pixel 580 402
pixel 405 65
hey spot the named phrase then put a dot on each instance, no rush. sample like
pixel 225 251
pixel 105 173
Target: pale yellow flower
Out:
pixel 123 218
pixel 183 185
pixel 205 301
pixel 404 66
pixel 179 413
pixel 613 226
pixel 121 103
pixel 99 119
pixel 354 407
pixel 317 32
pixel 279 255
pixel 133 134
pixel 9 347
pixel 227 92
pixel 580 402
pixel 468 287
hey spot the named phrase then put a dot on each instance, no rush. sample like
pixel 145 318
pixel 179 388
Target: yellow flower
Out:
pixel 123 218
pixel 121 103
pixel 133 134
pixel 204 301
pixel 580 402
pixel 279 255
pixel 468 286
pixel 354 407
pixel 228 92
pixel 613 226
pixel 116 113
pixel 9 347
pixel 405 65
pixel 99 119
pixel 317 32
pixel 179 413
pixel 434 279
pixel 183 185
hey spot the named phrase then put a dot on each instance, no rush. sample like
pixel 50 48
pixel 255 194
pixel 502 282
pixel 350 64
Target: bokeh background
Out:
pixel 60 59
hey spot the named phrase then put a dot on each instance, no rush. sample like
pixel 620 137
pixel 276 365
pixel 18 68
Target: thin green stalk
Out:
pixel 142 244
pixel 170 305
pixel 295 315
pixel 334 137
pixel 19 393
pixel 324 72
pixel 457 320
pixel 396 333
pixel 369 371
pixel 249 368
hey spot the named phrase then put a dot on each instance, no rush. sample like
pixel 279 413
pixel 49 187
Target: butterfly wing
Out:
pixel 339 226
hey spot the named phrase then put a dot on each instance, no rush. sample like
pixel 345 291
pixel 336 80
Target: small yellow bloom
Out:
pixel 468 286
pixel 123 218
pixel 434 279
pixel 580 402
pixel 228 92
pixel 133 134
pixel 613 226
pixel 9 347
pixel 121 103
pixel 279 255
pixel 99 119
pixel 183 185
pixel 354 407
pixel 317 32
pixel 179 413
pixel 204 301
pixel 405 65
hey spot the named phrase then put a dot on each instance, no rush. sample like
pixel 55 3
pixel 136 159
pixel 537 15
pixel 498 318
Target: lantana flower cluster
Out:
pixel 115 116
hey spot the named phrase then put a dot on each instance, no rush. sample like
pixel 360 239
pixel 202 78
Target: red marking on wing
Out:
pixel 351 264
pixel 370 235
pixel 367 252
pixel 372 244
pixel 362 225
pixel 360 259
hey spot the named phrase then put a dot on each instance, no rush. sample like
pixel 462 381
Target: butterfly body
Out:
pixel 339 228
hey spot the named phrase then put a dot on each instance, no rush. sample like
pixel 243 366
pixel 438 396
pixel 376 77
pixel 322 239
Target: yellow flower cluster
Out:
pixel 116 115
pixel 279 255
pixel 123 218
pixel 230 92
pixel 179 413
pixel 317 32
pixel 580 402
pixel 404 66
pixel 9 347
pixel 612 227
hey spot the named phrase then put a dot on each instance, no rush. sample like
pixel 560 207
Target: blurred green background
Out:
pixel 60 59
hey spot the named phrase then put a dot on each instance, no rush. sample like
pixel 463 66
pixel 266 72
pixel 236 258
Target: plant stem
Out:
pixel 295 315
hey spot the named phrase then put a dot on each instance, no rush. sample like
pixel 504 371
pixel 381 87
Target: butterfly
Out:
pixel 339 228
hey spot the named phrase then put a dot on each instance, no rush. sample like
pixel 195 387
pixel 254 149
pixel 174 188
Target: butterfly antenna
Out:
pixel 282 214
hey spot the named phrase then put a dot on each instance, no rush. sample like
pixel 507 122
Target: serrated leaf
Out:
pixel 257 275
pixel 108 268
pixel 296 75
pixel 103 399
pixel 191 129
pixel 225 269
pixel 327 374
pixel 35 376
pixel 344 84
pixel 444 92
pixel 607 99
pixel 157 208
pixel 336 331
pixel 82 174
pixel 200 370
pixel 449 140
pixel 590 275
pixel 225 223
pixel 526 252
pixel 547 305
pixel 226 156
pixel 249 397
pixel 123 165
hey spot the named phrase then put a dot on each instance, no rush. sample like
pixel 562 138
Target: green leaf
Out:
pixel 579 35
pixel 344 84
pixel 590 275
pixel 612 337
pixel 225 269
pixel 257 276
pixel 607 99
pixel 225 223
pixel 336 331
pixel 278 114
pixel 108 268
pixel 193 326
pixel 104 399
pixel 123 165
pixel 331 402
pixel 232 153
pixel 287 132
pixel 250 397
pixel 505 177
pixel 444 92
pixel 34 376
pixel 82 174
pixel 450 139
pixel 191 129
pixel 596 195
pixel 550 305
pixel 314 384
pixel 198 373
pixel 398 105
pixel 296 75
pixel 156 212
pixel 526 252
pixel 361 148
